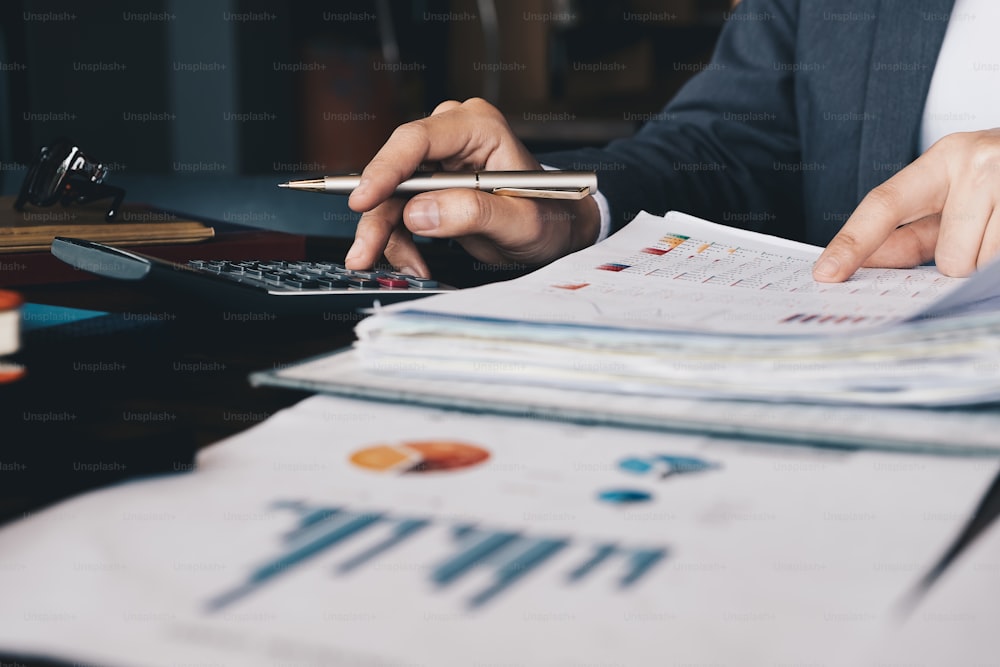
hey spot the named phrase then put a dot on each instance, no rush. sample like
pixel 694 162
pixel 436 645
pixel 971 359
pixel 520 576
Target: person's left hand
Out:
pixel 945 207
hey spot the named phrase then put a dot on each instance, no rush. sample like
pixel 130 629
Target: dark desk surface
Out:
pixel 137 396
pixel 142 390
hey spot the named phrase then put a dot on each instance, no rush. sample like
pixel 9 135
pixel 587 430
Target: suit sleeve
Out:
pixel 727 146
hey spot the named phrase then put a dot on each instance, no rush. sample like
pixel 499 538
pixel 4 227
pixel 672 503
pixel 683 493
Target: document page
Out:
pixel 360 534
pixel 682 273
pixel 952 624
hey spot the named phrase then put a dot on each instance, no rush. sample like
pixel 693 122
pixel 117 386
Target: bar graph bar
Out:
pixel 475 550
pixel 338 527
pixel 536 552
pixel 509 556
pixel 403 531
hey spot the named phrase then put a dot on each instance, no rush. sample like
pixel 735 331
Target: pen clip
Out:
pixel 575 193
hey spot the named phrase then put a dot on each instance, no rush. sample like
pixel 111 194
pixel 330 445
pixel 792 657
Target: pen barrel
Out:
pixel 487 181
pixel 437 180
pixel 538 180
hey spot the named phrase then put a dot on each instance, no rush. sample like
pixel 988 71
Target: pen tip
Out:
pixel 314 185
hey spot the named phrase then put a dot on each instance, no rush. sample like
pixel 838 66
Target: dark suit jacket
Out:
pixel 805 107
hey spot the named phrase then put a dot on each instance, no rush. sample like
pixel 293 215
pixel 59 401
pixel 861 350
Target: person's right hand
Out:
pixel 495 229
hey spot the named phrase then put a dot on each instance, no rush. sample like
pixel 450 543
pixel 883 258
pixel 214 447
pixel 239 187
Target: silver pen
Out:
pixel 536 184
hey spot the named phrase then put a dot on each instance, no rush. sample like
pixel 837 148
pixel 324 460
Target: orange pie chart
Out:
pixel 419 456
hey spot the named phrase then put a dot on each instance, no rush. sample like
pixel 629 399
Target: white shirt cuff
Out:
pixel 602 206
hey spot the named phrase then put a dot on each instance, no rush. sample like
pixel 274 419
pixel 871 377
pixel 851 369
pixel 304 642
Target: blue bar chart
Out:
pixel 505 556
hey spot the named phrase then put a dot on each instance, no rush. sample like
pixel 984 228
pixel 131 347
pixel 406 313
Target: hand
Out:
pixel 495 229
pixel 944 206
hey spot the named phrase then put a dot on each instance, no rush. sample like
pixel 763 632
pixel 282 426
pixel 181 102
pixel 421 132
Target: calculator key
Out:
pixel 371 275
pixel 389 281
pixel 358 281
pixel 422 282
pixel 327 283
pixel 197 263
pixel 273 277
pixel 301 284
pixel 254 273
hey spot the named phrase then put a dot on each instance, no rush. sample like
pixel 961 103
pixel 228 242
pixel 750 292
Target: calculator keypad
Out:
pixel 275 275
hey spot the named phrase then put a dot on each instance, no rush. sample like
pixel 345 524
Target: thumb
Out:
pixel 511 223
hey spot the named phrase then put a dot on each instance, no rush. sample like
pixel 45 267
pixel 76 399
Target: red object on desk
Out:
pixel 10 304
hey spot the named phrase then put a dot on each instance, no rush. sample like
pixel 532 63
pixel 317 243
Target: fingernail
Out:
pixel 826 267
pixel 422 215
pixel 362 188
pixel 408 271
pixel 356 249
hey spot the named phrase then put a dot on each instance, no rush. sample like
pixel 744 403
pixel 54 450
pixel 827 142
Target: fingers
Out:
pixel 447 105
pixel 990 249
pixel 907 246
pixel 379 232
pixel 915 192
pixel 402 253
pixel 372 234
pixel 467 135
pixel 455 163
pixel 497 228
pixel 958 178
pixel 457 133
pixel 480 221
pixel 963 224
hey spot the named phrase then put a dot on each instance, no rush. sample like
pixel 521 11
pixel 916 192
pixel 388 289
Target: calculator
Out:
pixel 269 286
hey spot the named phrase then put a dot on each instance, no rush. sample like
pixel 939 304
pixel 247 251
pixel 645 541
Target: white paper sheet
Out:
pixel 956 623
pixel 680 273
pixel 741 556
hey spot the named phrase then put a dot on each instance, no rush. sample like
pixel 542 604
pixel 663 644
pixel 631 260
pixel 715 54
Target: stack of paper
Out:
pixel 680 307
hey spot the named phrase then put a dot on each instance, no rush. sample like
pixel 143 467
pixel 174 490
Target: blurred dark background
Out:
pixel 264 88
